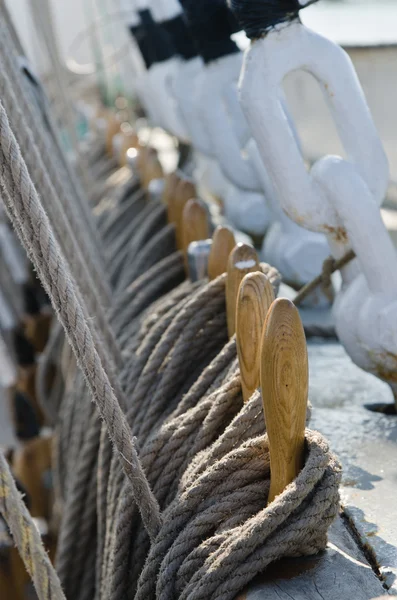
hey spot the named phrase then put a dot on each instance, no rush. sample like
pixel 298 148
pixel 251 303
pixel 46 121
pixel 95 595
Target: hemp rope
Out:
pixel 120 252
pixel 123 574
pixel 115 223
pixel 50 358
pixel 171 391
pixel 167 276
pixel 195 284
pixel 235 543
pixel 104 167
pixel 76 444
pixel 144 359
pixel 69 520
pixel 36 235
pixel 158 398
pixel 42 369
pixel 27 537
pixel 153 221
pixel 157 280
pixel 214 488
pixel 330 265
pixel 71 523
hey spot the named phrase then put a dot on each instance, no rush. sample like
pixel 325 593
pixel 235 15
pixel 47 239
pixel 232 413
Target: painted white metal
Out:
pixel 154 86
pixel 209 176
pixel 220 116
pixel 339 197
pixel 247 210
pixel 184 85
pixel 163 10
pixel 296 252
pixel 366 308
pixel 287 48
pixel 141 80
pixel 160 76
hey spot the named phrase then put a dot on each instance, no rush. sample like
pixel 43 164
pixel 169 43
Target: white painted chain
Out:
pixel 269 60
pixel 339 197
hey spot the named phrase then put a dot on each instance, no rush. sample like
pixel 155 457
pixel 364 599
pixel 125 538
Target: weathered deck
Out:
pixel 359 565
pixel 339 573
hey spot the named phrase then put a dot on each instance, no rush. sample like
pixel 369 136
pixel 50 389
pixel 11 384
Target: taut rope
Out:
pixel 33 227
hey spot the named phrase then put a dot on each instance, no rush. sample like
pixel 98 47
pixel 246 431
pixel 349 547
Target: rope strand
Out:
pixel 46 256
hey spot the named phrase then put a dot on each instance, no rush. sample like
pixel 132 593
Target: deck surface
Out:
pixel 339 573
pixel 366 444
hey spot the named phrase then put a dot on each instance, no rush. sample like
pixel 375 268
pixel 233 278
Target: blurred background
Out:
pixel 92 33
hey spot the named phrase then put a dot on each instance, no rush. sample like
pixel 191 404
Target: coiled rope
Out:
pixel 207 543
pixel 32 225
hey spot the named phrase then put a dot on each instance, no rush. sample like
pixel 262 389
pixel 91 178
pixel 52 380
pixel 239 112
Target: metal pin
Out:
pixel 156 189
pixel 197 254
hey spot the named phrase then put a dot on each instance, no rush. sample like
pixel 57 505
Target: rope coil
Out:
pixel 186 518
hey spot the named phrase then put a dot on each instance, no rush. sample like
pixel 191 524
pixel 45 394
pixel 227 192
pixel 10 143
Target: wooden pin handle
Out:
pixel 195 223
pixel 185 191
pixel 171 182
pixel 223 243
pixel 255 297
pixel 243 259
pixel 284 383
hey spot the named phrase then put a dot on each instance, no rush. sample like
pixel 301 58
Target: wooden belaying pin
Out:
pixel 284 385
pixel 169 196
pixel 255 297
pixel 185 191
pixel 243 259
pixel 171 181
pixel 223 242
pixel 195 223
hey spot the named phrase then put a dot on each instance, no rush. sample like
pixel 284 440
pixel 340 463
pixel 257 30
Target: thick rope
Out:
pixel 31 221
pixel 78 481
pixel 330 265
pixel 203 451
pixel 27 537
pixel 217 535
